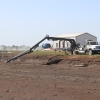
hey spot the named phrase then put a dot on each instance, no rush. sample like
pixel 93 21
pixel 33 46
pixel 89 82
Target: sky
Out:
pixel 26 22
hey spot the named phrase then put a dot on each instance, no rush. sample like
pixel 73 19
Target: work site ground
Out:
pixel 50 77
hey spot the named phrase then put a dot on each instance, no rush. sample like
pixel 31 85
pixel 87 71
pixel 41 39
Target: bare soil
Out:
pixel 50 77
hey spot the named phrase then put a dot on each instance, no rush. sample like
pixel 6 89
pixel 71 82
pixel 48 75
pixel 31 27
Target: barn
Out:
pixel 80 38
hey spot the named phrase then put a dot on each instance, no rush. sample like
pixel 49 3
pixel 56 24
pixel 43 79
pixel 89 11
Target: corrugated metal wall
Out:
pixel 82 38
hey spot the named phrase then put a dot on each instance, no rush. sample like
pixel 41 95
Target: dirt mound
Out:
pixel 57 59
pixel 54 60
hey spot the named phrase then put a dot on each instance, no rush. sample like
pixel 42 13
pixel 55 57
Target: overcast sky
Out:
pixel 25 22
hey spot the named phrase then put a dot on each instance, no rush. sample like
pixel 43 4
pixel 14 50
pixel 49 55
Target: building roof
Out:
pixel 69 35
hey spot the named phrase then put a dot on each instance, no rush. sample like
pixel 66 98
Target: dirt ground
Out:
pixel 50 77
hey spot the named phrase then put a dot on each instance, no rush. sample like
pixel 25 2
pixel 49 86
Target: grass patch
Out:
pixel 38 52
pixel 49 52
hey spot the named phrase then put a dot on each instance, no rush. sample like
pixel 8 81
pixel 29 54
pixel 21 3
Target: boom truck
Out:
pixel 90 48
pixel 72 48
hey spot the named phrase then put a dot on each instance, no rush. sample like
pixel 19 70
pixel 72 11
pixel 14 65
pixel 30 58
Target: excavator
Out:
pixel 72 48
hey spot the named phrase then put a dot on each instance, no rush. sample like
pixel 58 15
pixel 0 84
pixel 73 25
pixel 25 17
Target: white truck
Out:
pixel 91 47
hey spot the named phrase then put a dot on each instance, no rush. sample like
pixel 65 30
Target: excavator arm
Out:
pixel 72 41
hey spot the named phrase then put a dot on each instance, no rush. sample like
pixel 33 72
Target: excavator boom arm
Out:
pixel 72 41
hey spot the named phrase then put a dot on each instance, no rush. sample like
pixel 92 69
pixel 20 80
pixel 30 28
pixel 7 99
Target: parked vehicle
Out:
pixel 91 47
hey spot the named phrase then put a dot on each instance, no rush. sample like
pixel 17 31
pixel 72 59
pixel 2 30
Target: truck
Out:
pixel 91 47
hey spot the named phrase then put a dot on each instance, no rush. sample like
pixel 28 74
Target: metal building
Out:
pixel 80 38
